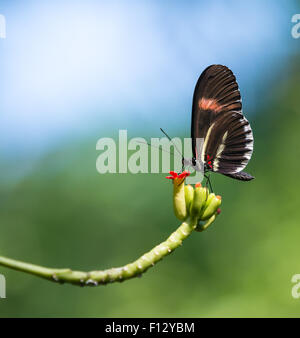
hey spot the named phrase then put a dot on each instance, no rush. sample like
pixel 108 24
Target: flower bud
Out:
pixel 179 200
pixel 211 206
pixel 189 194
pixel 179 203
pixel 204 225
pixel 198 203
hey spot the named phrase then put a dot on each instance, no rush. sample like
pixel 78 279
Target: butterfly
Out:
pixel 217 118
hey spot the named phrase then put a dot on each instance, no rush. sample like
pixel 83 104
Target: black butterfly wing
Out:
pixel 216 93
pixel 242 176
pixel 217 118
pixel 230 143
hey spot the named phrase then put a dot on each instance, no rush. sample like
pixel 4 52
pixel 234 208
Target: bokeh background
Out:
pixel 72 72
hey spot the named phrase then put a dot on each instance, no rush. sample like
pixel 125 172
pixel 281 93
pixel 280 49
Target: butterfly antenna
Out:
pixel 169 138
pixel 151 145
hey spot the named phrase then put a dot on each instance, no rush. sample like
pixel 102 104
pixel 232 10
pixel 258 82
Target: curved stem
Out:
pixel 94 278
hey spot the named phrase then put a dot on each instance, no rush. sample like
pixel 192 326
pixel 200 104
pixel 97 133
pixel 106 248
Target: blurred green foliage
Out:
pixel 65 214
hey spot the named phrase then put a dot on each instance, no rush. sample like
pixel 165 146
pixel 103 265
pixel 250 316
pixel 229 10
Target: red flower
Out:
pixel 174 176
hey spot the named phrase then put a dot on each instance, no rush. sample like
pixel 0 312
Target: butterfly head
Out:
pixel 192 163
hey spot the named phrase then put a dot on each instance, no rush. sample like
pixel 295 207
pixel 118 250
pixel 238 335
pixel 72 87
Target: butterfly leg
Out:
pixel 210 186
pixel 208 183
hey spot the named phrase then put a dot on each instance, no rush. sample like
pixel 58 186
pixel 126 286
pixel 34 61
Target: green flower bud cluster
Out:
pixel 196 203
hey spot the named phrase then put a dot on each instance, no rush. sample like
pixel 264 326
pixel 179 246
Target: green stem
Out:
pixel 94 278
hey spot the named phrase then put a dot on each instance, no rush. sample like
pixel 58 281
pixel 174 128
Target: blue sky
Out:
pixel 70 69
